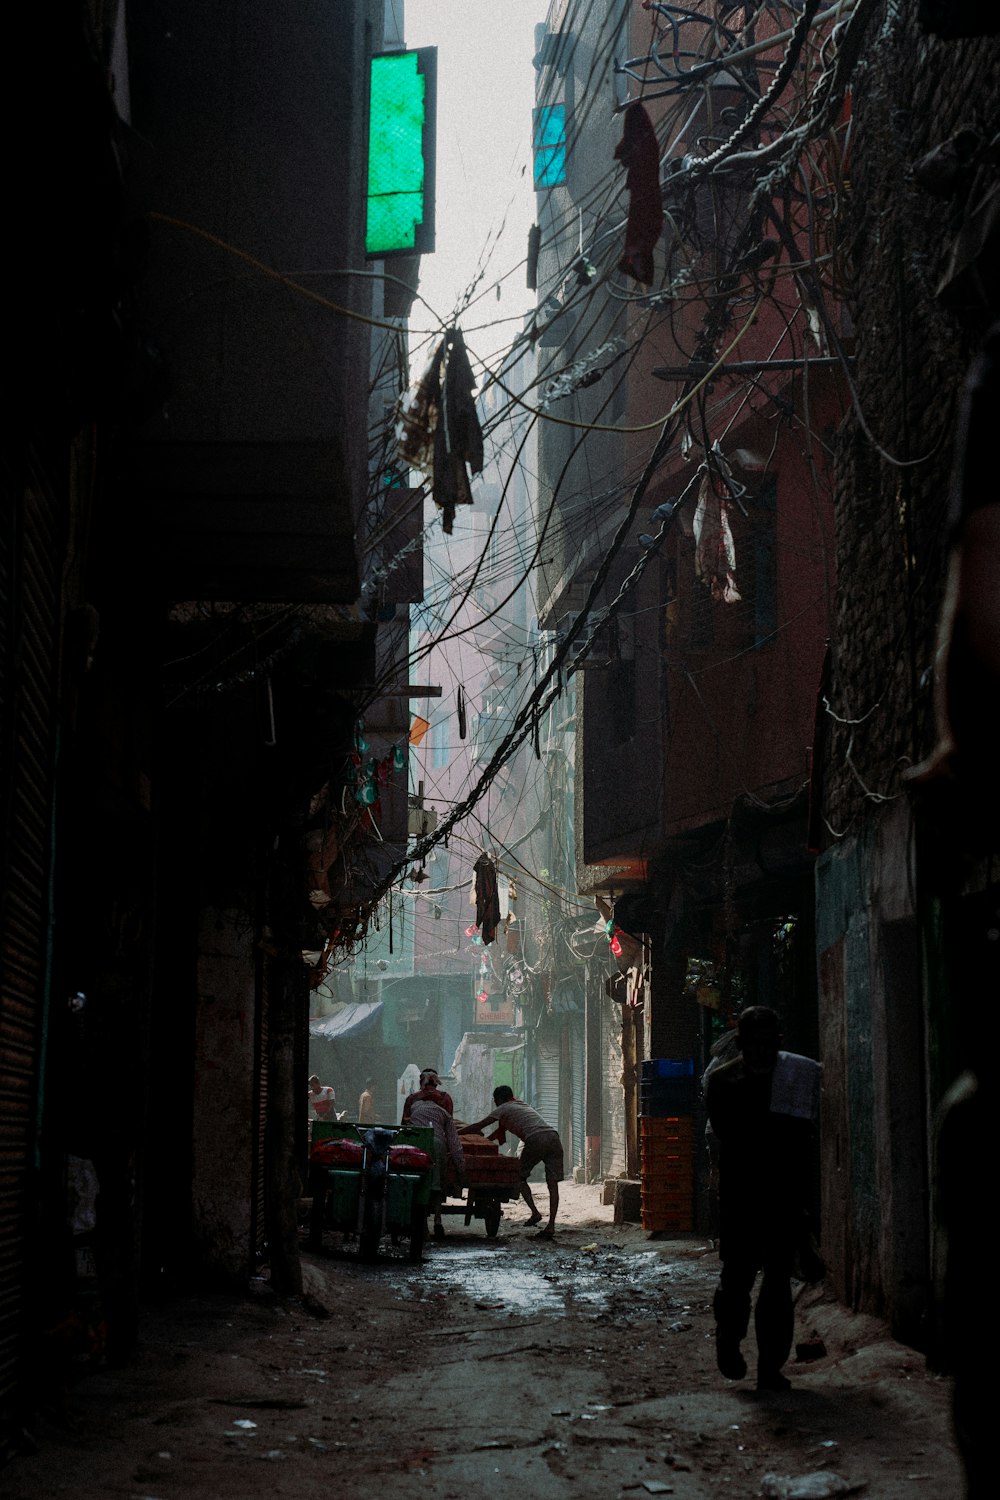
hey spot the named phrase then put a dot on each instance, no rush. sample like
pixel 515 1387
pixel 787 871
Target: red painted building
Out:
pixel 698 402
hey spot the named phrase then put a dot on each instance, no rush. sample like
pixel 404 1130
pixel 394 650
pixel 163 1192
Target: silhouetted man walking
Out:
pixel 763 1107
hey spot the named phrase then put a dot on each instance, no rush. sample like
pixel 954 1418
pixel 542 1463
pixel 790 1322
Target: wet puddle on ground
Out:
pixel 593 1282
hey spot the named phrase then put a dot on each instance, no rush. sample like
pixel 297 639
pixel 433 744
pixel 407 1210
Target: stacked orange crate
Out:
pixel 667 1145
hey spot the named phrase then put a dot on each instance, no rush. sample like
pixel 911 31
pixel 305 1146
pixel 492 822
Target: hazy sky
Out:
pixel 485 96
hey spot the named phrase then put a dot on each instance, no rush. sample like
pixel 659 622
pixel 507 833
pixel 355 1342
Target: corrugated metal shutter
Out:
pixel 547 1079
pixel 258 1231
pixel 578 1055
pixel 546 1099
pixel 29 622
pixel 613 1101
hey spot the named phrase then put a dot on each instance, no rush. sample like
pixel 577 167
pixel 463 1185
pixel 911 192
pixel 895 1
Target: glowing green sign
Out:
pixel 401 153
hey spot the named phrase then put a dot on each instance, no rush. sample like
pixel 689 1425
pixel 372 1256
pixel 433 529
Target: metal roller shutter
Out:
pixel 29 634
pixel 547 1079
pixel 578 1055
pixel 547 1074
pixel 613 1101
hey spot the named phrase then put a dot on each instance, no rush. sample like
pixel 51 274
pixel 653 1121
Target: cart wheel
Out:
pixel 418 1233
pixel 491 1219
pixel 368 1245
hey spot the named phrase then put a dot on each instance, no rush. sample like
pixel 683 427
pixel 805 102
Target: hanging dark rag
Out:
pixel 639 151
pixel 458 437
pixel 487 899
pixel 439 429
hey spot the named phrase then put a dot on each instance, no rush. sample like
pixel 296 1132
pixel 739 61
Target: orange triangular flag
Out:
pixel 418 729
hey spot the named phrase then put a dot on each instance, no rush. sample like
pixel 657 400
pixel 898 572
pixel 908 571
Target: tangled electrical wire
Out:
pixel 754 139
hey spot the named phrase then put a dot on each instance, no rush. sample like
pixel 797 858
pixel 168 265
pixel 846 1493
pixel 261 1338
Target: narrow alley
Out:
pixel 498 617
pixel 580 1367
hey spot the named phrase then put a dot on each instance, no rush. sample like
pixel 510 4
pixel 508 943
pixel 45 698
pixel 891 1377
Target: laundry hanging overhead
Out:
pixel 715 550
pixel 438 429
pixel 487 898
pixel 639 152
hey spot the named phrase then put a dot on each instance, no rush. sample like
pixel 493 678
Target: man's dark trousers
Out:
pixel 774 1318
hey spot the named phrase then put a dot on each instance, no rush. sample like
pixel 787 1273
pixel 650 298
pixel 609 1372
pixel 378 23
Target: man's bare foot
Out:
pixel 535 1219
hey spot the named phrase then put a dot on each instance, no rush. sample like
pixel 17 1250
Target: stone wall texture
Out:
pixel 895 450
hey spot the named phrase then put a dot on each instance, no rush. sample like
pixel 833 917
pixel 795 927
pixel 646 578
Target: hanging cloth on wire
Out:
pixel 459 438
pixel 487 898
pixel 715 550
pixel 438 429
pixel 639 151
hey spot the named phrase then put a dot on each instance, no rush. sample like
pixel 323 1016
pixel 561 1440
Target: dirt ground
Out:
pixel 583 1366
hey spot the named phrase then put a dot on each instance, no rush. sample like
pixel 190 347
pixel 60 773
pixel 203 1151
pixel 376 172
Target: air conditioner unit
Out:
pixel 421 820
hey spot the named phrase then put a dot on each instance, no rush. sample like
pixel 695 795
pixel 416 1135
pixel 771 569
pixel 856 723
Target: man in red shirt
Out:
pixel 430 1088
pixel 322 1099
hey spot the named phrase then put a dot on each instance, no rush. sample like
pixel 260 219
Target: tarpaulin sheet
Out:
pixel 350 1020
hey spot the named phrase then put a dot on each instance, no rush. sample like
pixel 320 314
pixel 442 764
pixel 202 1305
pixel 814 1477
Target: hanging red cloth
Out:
pixel 639 151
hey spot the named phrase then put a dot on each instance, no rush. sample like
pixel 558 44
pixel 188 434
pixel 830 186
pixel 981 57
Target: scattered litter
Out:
pixel 678 1327
pixel 266 1403
pixel 588 1249
pixel 657 1487
pixel 824 1485
pixel 164 1454
pixel 274 1453
pixel 245 1423
pixel 319 1445
pixel 560 1411
pixel 489 1306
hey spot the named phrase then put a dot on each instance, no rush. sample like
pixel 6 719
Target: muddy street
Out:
pixel 582 1366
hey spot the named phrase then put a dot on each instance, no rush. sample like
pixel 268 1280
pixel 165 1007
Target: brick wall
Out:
pixel 911 92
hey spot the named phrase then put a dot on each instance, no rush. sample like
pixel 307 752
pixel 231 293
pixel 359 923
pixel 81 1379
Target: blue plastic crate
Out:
pixel 668 1096
pixel 668 1067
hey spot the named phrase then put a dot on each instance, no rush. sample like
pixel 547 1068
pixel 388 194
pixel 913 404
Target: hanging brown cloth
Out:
pixel 458 437
pixel 487 898
pixel 639 151
pixel 438 428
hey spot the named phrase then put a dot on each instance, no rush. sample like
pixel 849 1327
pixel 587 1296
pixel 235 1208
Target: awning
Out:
pixel 346 1021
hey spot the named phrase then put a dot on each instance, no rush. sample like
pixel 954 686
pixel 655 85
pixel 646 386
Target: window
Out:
pixel 549 145
pixel 440 748
pixel 763 514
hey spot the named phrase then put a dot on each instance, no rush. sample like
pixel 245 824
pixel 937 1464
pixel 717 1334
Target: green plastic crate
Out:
pixel 344 1188
pixel 402 1195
